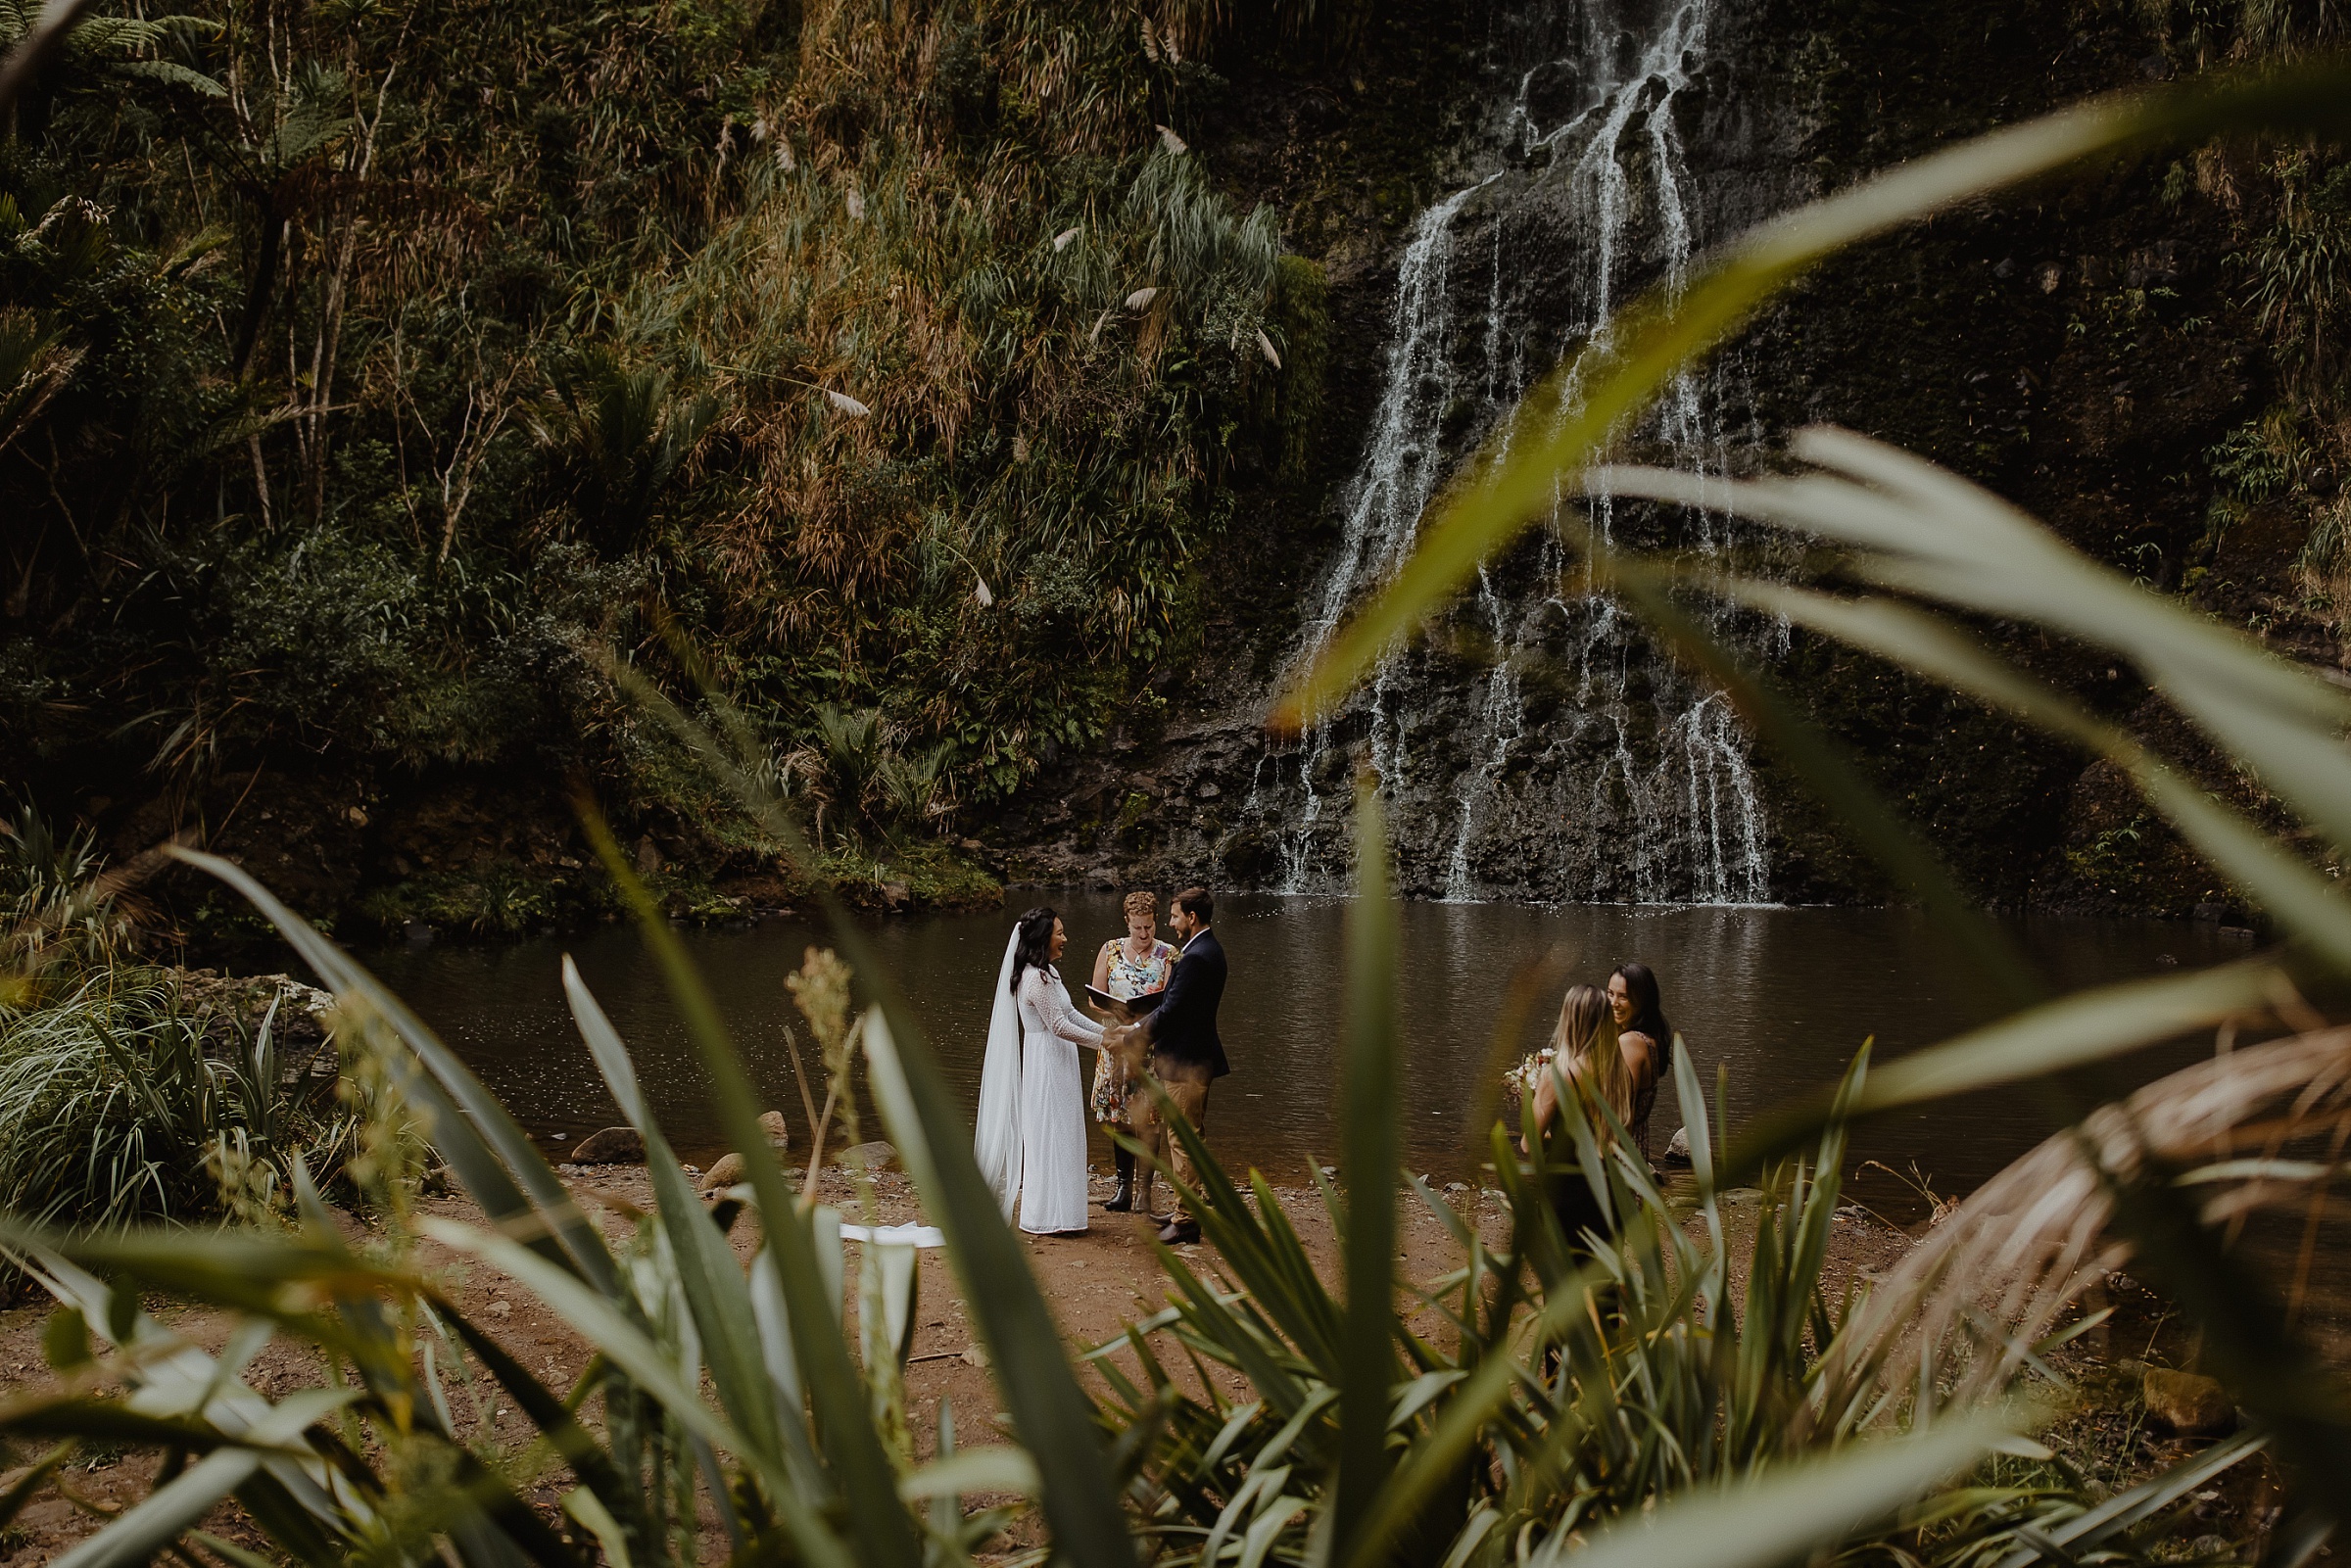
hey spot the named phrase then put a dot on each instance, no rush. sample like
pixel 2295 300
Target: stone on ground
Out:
pixel 729 1168
pixel 868 1155
pixel 614 1146
pixel 2188 1403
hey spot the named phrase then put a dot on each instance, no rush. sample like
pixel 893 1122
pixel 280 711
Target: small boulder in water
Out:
pixel 1677 1152
pixel 771 1122
pixel 614 1146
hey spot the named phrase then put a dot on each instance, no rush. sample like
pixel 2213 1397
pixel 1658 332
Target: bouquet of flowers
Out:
pixel 1518 1084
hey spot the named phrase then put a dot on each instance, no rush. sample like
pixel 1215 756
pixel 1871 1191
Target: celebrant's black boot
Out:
pixel 1122 1201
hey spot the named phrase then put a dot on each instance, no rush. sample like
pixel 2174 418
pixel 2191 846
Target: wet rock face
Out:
pixel 1532 743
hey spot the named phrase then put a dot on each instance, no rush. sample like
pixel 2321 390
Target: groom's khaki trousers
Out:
pixel 1186 1083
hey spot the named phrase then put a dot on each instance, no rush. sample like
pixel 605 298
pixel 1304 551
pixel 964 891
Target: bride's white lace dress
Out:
pixel 1053 1104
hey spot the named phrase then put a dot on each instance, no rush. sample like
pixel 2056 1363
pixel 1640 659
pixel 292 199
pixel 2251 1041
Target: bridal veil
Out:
pixel 998 1143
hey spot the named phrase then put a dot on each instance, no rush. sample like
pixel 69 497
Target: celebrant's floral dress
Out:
pixel 1127 978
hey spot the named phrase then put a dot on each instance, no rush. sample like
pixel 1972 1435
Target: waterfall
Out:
pixel 1538 747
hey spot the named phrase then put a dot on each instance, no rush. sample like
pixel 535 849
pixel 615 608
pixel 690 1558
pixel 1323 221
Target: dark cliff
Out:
pixel 2090 349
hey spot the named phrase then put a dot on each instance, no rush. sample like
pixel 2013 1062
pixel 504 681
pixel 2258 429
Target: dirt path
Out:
pixel 1095 1284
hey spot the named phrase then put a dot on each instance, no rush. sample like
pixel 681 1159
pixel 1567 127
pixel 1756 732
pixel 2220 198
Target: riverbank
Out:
pixel 477 859
pixel 1095 1285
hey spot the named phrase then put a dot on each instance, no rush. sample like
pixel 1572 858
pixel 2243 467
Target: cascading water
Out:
pixel 1537 746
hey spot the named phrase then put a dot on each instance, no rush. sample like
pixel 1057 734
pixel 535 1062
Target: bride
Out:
pixel 1032 1141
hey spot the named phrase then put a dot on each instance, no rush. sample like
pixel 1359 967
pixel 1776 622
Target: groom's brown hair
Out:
pixel 1197 902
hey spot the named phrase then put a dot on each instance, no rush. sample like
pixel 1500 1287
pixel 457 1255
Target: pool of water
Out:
pixel 1782 998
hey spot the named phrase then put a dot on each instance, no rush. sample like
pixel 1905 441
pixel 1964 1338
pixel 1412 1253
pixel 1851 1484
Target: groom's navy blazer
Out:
pixel 1185 1023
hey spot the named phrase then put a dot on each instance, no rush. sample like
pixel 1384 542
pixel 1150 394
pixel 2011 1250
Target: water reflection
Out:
pixel 1780 997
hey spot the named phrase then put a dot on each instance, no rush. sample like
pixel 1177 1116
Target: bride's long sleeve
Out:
pixel 1050 1000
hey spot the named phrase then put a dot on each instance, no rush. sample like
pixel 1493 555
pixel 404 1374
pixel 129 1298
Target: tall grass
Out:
pixel 1551 1384
pixel 118 1104
pixel 59 916
pixel 120 1101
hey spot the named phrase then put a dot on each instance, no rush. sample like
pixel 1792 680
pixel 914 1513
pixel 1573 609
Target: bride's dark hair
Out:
pixel 1033 950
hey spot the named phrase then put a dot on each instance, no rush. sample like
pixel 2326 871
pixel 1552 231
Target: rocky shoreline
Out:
pixel 483 864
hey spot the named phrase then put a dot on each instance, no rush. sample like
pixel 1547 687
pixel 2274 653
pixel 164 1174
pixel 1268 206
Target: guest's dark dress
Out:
pixel 1569 1190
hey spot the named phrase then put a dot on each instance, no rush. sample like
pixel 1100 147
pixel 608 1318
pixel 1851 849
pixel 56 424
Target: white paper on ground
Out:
pixel 897 1235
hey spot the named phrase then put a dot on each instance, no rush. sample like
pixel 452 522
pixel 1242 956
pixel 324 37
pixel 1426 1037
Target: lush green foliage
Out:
pixel 122 1097
pixel 2291 210
pixel 61 920
pixel 1741 1432
pixel 119 1103
pixel 360 366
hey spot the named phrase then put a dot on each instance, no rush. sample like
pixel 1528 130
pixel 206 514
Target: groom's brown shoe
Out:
pixel 1180 1231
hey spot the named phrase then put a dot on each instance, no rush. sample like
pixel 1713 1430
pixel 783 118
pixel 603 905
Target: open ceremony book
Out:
pixel 1133 1006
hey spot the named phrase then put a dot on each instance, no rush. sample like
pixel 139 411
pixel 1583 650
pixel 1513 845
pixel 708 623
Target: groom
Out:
pixel 1187 1055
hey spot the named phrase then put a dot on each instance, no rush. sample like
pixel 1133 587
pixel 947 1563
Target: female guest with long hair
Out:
pixel 1590 1064
pixel 1646 1038
pixel 1134 965
pixel 1031 1137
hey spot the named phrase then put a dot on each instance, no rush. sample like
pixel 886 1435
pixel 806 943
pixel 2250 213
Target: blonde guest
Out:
pixel 1589 1059
pixel 1134 965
